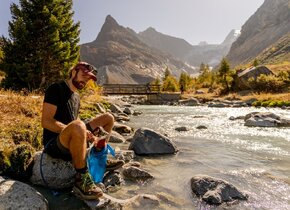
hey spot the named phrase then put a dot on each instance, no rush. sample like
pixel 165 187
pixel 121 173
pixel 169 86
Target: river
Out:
pixel 254 159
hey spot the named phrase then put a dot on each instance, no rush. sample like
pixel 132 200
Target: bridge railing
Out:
pixel 137 89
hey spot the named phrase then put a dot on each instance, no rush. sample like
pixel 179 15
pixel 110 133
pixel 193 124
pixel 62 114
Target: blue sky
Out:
pixel 192 20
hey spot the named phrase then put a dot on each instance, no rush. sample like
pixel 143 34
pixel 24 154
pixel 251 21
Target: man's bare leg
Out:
pixel 74 138
pixel 104 120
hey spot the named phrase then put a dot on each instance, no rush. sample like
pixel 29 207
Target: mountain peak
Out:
pixel 109 25
pixel 150 29
pixel 231 37
pixel 110 21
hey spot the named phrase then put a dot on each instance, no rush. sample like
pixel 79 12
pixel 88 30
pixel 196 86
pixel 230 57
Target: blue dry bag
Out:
pixel 97 160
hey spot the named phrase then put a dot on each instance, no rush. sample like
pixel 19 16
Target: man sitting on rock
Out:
pixel 65 136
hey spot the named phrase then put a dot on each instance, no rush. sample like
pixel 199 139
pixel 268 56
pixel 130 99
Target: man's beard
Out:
pixel 78 84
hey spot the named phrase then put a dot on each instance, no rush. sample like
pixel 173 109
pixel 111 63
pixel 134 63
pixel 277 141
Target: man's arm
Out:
pixel 47 119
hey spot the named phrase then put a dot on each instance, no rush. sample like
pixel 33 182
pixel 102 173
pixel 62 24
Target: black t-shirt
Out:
pixel 67 102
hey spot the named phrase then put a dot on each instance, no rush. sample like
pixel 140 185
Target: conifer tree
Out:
pixel 170 84
pixel 223 73
pixel 166 73
pixel 184 81
pixel 43 43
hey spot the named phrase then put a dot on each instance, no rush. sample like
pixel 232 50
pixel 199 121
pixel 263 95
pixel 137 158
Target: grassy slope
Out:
pixel 19 120
pixel 20 117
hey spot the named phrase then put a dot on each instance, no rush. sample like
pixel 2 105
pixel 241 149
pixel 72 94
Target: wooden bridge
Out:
pixel 131 89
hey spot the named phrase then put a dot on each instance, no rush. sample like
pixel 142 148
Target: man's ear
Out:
pixel 73 73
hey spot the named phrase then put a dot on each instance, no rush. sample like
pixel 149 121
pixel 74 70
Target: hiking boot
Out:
pixel 114 164
pixel 85 187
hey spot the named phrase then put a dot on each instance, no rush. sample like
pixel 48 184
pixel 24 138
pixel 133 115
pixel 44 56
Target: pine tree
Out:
pixel 184 81
pixel 223 72
pixel 43 43
pixel 170 84
pixel 1 51
pixel 255 63
pixel 166 73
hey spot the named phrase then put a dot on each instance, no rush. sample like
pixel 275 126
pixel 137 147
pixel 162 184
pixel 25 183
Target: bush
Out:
pixel 267 83
pixel 287 103
pixel 280 103
pixel 272 103
pixel 21 159
pixel 256 103
pixel 265 103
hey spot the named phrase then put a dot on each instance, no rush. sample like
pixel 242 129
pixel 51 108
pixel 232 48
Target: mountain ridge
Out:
pixel 264 28
pixel 121 57
pixel 193 54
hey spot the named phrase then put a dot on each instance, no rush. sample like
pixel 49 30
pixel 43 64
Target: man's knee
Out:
pixel 109 117
pixel 77 127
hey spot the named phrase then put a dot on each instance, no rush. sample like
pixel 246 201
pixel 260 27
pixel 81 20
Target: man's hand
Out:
pixel 90 136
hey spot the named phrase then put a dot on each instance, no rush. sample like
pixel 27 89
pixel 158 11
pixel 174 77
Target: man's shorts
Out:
pixel 56 150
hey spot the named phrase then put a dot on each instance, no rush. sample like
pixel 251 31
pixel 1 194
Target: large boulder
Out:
pixel 215 191
pixel 137 174
pixel 18 195
pixel 57 173
pixel 148 142
pixel 265 119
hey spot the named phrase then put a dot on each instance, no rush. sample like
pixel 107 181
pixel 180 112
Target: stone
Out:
pixel 149 142
pixel 100 107
pixel 265 119
pixel 115 108
pixel 136 174
pixel 215 191
pixel 183 128
pixel 18 195
pixel 121 128
pixel 112 179
pixel 201 127
pixel 58 174
pixel 125 155
pixel 189 102
pixel 128 111
pixel 116 138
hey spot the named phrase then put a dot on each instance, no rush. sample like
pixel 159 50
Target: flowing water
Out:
pixel 254 159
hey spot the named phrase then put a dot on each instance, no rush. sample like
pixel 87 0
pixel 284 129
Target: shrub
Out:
pixel 265 103
pixel 256 103
pixel 21 159
pixel 267 83
pixel 280 103
pixel 287 103
pixel 272 103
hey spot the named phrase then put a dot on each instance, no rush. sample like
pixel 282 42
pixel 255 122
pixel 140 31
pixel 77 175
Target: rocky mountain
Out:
pixel 269 24
pixel 193 54
pixel 277 53
pixel 177 47
pixel 122 58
